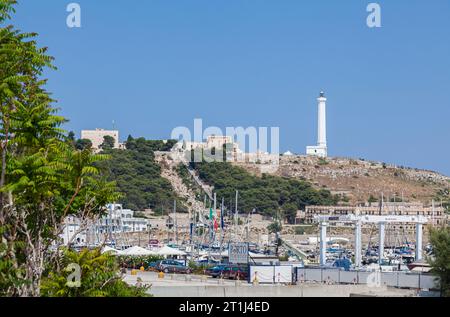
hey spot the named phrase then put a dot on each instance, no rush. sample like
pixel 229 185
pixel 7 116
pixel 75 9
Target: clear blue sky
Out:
pixel 154 65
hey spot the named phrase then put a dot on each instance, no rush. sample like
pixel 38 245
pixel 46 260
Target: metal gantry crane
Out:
pixel 381 221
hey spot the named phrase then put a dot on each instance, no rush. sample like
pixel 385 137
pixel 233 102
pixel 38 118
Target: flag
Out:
pixel 216 225
pixel 210 213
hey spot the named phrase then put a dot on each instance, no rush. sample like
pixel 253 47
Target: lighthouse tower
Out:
pixel 321 148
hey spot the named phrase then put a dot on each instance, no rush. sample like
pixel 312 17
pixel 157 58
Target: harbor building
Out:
pixel 435 214
pixel 116 220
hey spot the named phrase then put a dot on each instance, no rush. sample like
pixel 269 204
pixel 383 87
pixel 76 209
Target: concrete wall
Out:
pixel 391 279
pixel 276 291
pixel 272 274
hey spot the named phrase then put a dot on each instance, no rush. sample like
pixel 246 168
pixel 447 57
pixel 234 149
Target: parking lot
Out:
pixel 180 285
pixel 152 278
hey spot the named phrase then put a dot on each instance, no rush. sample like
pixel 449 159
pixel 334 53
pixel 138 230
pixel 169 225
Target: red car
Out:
pixel 235 272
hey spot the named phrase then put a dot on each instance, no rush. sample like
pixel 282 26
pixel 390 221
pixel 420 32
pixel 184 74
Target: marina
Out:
pixel 212 243
pixel 229 149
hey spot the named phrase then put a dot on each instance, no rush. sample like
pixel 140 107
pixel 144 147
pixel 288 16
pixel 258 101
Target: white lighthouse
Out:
pixel 321 148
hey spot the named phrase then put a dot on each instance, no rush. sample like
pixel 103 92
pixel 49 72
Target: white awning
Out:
pixel 109 249
pixel 166 250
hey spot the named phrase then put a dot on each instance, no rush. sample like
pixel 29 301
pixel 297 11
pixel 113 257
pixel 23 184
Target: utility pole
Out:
pixel 194 229
pixel 212 218
pixel 149 232
pixel 247 227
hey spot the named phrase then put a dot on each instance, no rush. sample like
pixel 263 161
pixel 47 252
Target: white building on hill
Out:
pixel 321 148
pixel 97 137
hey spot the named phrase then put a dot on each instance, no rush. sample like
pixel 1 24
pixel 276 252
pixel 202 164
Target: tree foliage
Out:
pixel 443 196
pixel 43 177
pixel 274 227
pixel 290 212
pixel 108 142
pixel 83 144
pixel 99 277
pixel 267 194
pixel 138 175
pixel 440 259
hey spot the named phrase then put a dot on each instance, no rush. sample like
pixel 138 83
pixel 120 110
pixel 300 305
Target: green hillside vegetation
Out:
pixel 443 196
pixel 267 194
pixel 138 175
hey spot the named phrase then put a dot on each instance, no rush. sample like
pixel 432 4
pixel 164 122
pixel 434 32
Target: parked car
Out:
pixel 217 270
pixel 343 264
pixel 152 266
pixel 172 266
pixel 235 272
pixel 206 261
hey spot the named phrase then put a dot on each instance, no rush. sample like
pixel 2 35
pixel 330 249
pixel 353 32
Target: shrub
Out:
pixel 99 277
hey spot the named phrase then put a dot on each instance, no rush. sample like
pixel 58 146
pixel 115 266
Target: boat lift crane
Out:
pixel 358 220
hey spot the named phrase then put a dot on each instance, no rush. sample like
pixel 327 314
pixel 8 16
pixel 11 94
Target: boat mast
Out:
pixel 236 215
pixel 221 229
pixel 175 233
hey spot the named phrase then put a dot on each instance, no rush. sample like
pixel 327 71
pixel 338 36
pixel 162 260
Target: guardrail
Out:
pixel 375 279
pixel 302 255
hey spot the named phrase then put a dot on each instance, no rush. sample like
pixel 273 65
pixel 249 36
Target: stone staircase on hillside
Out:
pixel 169 166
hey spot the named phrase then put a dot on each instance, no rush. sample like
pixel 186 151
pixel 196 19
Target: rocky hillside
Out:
pixel 169 171
pixel 358 180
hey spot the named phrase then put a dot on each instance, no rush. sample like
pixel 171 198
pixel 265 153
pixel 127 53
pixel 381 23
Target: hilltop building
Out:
pixel 321 148
pixel 97 137
pixel 212 142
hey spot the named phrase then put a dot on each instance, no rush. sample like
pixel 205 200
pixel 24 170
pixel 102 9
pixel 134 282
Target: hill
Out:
pixel 267 194
pixel 138 176
pixel 360 181
pixel 148 178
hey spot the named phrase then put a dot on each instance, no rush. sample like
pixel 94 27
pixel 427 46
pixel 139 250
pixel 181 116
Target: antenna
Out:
pixel 113 124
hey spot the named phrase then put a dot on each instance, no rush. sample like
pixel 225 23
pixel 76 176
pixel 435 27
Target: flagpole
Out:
pixel 221 229
pixel 236 215
pixel 213 219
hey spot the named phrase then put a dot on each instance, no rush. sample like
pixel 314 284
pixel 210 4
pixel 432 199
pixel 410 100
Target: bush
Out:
pixel 266 194
pixel 274 227
pixel 199 268
pixel 138 176
pixel 440 259
pixel 300 230
pixel 135 262
pixel 99 277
